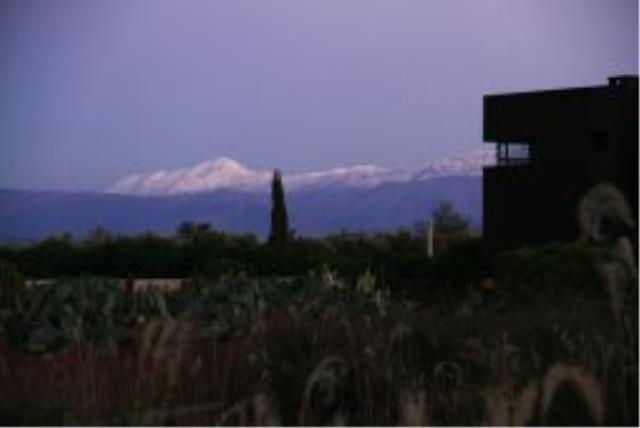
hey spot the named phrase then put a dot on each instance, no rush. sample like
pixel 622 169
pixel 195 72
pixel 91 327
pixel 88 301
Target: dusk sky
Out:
pixel 91 91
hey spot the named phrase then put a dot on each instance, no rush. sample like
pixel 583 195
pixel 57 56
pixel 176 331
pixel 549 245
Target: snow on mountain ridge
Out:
pixel 470 164
pixel 227 173
pixel 208 175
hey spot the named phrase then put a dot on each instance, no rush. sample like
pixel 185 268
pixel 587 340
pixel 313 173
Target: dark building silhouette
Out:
pixel 552 147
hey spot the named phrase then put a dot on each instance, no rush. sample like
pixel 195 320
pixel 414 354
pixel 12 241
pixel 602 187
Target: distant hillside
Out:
pixel 31 215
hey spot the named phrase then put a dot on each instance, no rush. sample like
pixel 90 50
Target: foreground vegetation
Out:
pixel 370 332
pixel 551 339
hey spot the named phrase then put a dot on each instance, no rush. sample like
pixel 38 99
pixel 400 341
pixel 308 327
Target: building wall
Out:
pixel 526 205
pixel 579 138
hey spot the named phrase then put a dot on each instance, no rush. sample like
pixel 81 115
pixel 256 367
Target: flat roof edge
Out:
pixel 624 80
pixel 547 91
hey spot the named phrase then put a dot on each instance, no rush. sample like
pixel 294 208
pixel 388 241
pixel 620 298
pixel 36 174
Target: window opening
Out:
pixel 509 154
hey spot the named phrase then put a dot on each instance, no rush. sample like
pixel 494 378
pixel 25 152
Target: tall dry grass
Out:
pixel 328 366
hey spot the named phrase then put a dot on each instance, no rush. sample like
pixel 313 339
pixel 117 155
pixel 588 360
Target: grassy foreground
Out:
pixel 547 341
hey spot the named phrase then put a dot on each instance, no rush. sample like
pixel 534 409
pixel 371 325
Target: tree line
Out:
pixel 196 249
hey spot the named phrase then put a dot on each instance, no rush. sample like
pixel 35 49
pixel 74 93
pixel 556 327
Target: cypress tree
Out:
pixel 279 220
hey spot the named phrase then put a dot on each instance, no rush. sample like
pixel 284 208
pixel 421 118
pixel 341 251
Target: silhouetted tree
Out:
pixel 192 232
pixel 99 235
pixel 279 219
pixel 446 220
pixel 449 226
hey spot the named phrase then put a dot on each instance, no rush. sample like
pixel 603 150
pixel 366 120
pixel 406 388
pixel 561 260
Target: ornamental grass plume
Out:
pixel 525 406
pixel 413 409
pixel 604 214
pixel 258 410
pixel 498 403
pixel 584 387
pixel 321 392
pixel 504 408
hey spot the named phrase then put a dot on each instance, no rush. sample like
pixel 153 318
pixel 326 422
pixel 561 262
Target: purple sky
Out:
pixel 94 90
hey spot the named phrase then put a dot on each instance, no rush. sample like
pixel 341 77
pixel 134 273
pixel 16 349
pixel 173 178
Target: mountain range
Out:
pixel 235 198
pixel 225 173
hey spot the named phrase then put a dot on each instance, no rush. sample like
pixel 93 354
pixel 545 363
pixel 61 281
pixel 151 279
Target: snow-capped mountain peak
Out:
pixel 227 173
pixel 224 164
pixel 209 175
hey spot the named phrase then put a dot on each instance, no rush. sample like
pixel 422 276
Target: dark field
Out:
pixel 550 339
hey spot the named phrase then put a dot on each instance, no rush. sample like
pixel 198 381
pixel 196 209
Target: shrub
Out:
pixel 552 269
pixel 222 266
pixel 12 284
pixel 466 262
